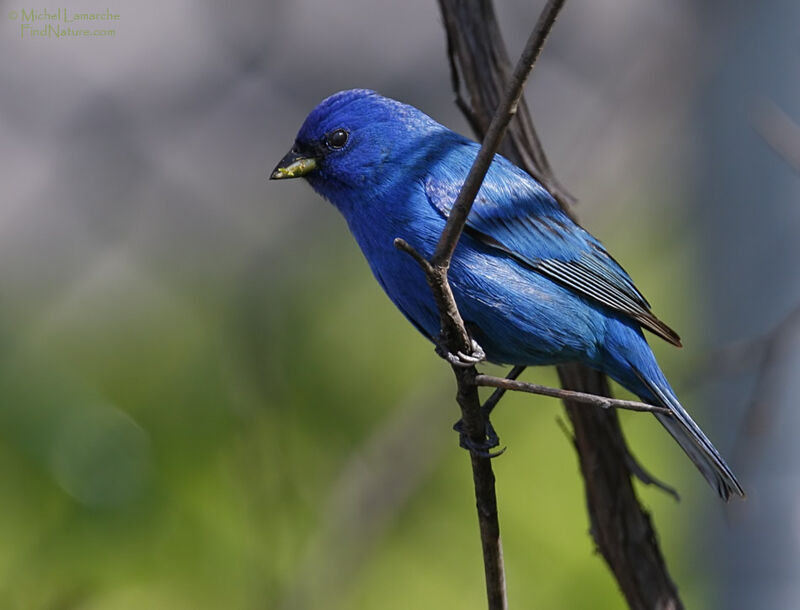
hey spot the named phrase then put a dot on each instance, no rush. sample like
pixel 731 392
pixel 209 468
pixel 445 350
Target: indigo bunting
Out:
pixel 532 286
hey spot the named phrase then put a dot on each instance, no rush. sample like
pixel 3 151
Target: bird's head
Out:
pixel 355 140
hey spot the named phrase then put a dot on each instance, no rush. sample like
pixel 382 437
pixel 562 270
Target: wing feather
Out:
pixel 516 215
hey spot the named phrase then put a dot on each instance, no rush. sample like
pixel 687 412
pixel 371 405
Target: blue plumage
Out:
pixel 532 286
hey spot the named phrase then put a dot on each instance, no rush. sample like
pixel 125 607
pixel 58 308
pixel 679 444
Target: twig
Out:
pixel 494 134
pixel 484 76
pixel 759 415
pixel 491 402
pixel 454 336
pixel 594 400
pixel 507 383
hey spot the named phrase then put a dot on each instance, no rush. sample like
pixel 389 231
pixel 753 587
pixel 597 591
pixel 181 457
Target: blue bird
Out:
pixel 533 287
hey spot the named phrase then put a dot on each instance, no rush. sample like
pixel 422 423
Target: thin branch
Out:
pixel 759 415
pixel 454 336
pixel 403 245
pixel 605 402
pixel 594 400
pixel 479 60
pixel 494 134
pixel 492 401
pixel 641 473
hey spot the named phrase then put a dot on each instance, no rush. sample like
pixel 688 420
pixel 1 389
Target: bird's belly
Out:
pixel 519 316
pixel 515 314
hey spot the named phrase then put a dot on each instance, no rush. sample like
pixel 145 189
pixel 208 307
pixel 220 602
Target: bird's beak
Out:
pixel 294 165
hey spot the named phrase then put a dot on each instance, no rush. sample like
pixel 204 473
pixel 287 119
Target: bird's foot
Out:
pixel 460 359
pixel 481 449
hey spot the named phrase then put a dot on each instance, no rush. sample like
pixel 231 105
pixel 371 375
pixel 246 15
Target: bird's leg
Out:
pixel 460 359
pixel 484 448
pixel 492 439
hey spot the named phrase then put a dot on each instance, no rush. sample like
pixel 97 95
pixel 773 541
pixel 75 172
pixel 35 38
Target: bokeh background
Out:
pixel 207 402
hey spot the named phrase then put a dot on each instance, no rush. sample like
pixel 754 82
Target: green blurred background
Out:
pixel 205 399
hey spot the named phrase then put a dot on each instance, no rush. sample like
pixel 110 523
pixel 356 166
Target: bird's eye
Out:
pixel 336 138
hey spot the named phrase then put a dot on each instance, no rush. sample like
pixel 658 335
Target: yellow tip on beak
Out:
pixel 293 165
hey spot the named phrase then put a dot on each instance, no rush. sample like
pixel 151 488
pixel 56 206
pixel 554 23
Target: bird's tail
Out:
pixel 691 438
pixel 628 359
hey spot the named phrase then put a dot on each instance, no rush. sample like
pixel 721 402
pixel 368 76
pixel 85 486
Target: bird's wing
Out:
pixel 516 215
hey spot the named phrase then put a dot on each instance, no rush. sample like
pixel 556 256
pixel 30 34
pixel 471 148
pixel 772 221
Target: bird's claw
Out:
pixel 481 449
pixel 460 359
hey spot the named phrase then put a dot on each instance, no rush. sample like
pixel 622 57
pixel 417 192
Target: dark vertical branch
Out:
pixel 620 526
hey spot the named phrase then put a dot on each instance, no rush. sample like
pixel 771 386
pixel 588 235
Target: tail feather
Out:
pixel 627 358
pixel 696 444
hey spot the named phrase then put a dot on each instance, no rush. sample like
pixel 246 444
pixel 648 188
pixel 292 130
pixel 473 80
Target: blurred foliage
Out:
pixel 231 445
